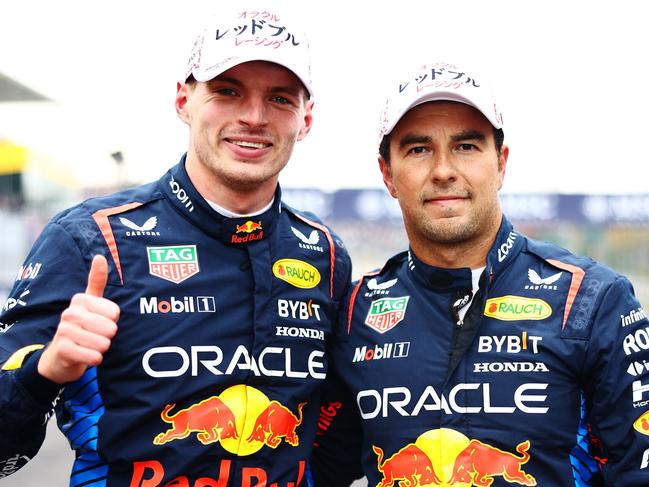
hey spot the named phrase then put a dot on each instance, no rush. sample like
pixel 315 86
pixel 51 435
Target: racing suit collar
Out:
pixel 507 245
pixel 177 187
pixel 438 277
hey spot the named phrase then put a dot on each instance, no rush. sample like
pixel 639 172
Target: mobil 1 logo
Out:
pixel 180 304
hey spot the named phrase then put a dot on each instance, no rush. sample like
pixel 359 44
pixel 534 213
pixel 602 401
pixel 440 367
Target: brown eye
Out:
pixel 466 147
pixel 226 91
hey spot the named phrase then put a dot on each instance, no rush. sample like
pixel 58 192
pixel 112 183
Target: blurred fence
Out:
pixel 613 229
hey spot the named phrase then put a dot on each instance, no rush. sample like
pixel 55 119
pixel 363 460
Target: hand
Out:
pixel 85 331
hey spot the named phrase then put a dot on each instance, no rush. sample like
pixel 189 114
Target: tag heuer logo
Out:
pixel 174 264
pixel 386 313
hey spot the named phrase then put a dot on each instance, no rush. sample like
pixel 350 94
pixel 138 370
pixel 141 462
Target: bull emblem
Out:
pixel 409 464
pixel 211 420
pixel 275 422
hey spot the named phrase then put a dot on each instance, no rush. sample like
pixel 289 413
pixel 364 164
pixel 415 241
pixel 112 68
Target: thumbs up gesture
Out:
pixel 85 331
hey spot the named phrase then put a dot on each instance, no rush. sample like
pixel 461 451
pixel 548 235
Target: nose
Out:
pixel 443 169
pixel 253 112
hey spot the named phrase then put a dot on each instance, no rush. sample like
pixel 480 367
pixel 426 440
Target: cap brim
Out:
pixel 213 71
pixel 445 96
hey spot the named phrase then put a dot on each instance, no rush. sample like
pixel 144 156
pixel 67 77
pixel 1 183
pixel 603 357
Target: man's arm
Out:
pixel 617 387
pixel 48 340
pixel 336 457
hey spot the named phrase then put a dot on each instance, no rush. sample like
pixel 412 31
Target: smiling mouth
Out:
pixel 249 145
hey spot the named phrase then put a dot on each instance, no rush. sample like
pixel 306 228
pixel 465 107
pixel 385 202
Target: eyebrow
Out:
pixel 289 90
pixel 224 79
pixel 469 135
pixel 411 139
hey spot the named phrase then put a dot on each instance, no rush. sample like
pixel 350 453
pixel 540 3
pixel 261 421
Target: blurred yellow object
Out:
pixel 13 158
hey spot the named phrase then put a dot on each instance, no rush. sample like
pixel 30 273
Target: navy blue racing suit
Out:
pixel 214 375
pixel 544 381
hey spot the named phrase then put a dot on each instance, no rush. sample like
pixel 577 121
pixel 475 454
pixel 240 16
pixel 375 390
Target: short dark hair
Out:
pixel 384 146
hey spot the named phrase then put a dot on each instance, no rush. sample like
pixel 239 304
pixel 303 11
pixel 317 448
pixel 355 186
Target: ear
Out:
pixel 182 98
pixel 308 120
pixel 502 164
pixel 387 177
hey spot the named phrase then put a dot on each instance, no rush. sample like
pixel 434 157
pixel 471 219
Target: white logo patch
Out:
pixel 636 368
pixel 538 280
pixel 13 302
pixel 312 239
pixel 310 242
pixel 376 287
pixel 5 327
pixel 148 225
pixel 373 284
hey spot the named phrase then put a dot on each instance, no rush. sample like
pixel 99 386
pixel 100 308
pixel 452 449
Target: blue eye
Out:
pixel 281 99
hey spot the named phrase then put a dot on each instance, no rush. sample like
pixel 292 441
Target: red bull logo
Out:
pixel 151 473
pixel 226 419
pixel 446 457
pixel 479 463
pixel 247 228
pixel 277 422
pixel 409 464
pixel 210 419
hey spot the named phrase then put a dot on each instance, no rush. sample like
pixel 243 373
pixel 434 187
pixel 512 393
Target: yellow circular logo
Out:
pixel 297 273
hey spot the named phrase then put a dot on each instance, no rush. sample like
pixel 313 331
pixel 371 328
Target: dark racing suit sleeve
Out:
pixel 617 384
pixel 336 457
pixel 53 271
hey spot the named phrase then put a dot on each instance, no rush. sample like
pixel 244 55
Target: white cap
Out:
pixel 437 82
pixel 248 34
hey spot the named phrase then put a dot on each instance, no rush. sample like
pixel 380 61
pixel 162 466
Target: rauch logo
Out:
pixel 297 273
pixel 175 263
pixel 641 425
pixel 515 308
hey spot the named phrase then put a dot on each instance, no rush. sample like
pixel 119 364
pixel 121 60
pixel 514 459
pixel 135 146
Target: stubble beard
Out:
pixel 237 174
pixel 447 232
pixel 462 230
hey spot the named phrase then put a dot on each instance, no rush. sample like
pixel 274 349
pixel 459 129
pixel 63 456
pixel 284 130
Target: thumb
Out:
pixel 98 276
